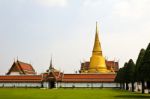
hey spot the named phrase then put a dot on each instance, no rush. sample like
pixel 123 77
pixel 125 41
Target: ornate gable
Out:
pixel 21 68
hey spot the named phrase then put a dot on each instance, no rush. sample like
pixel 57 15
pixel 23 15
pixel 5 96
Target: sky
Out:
pixel 33 31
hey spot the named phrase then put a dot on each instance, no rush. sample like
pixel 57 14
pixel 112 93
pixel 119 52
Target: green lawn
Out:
pixel 10 93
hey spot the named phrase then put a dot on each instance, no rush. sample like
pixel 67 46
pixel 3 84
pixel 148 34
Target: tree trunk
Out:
pixel 143 87
pixel 123 85
pixel 148 86
pixel 127 86
pixel 120 85
pixel 132 86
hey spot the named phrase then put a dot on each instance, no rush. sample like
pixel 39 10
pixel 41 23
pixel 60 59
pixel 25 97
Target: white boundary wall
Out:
pixel 62 84
pixel 45 84
pixel 90 85
pixel 20 85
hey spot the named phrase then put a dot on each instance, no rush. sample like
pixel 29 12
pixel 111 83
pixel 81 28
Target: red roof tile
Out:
pixel 53 76
pixel 88 77
pixel 27 68
pixel 21 78
pixel 22 68
pixel 88 80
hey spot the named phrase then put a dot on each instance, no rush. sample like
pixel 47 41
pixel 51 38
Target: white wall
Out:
pixel 45 84
pixel 20 84
pixel 98 85
pixel 61 84
pixel 14 73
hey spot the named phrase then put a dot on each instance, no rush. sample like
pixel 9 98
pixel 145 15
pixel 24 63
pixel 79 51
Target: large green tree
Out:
pixel 126 74
pixel 144 69
pixel 120 78
pixel 130 73
pixel 138 76
pixel 138 64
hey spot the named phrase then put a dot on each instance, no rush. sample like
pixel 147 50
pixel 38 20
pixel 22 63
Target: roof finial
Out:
pixel 51 65
pixel 17 58
pixel 96 27
pixel 30 62
pixel 14 59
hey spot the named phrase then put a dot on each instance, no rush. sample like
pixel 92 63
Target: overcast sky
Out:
pixel 33 30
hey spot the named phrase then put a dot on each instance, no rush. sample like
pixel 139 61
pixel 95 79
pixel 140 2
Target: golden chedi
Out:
pixel 97 61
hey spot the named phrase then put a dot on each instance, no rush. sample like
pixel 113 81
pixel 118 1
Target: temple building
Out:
pixel 97 61
pixel 54 78
pixel 21 74
pixel 98 64
pixel 98 72
pixel 21 68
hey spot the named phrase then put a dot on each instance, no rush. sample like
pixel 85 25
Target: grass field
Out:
pixel 10 93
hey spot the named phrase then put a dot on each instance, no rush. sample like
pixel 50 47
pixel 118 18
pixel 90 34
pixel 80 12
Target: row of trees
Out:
pixel 136 72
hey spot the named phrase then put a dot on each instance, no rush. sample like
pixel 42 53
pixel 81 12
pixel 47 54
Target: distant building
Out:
pixel 59 79
pixel 21 68
pixel 97 73
pixel 97 63
pixel 112 65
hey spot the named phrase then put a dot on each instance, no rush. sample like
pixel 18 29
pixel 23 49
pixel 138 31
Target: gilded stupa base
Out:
pixel 102 70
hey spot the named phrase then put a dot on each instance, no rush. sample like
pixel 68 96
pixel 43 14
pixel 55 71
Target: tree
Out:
pixel 144 69
pixel 126 75
pixel 130 73
pixel 138 77
pixel 120 78
pixel 129 70
pixel 126 80
pixel 138 64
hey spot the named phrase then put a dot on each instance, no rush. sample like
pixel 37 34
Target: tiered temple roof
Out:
pixel 21 68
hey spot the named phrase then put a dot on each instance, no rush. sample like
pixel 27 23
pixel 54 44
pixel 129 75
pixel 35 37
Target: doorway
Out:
pixel 51 84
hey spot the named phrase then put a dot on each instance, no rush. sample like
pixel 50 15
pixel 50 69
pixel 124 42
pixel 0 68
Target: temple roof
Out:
pixel 22 68
pixel 21 78
pixel 84 77
pixel 89 77
pixel 60 77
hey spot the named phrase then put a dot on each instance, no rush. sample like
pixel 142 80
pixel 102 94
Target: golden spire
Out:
pixel 97 61
pixel 97 46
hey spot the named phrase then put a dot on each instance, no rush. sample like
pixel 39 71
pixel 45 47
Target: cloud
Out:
pixel 52 3
pixel 91 3
pixel 133 9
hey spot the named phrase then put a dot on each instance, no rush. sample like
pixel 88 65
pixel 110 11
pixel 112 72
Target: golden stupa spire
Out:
pixel 97 61
pixel 97 46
